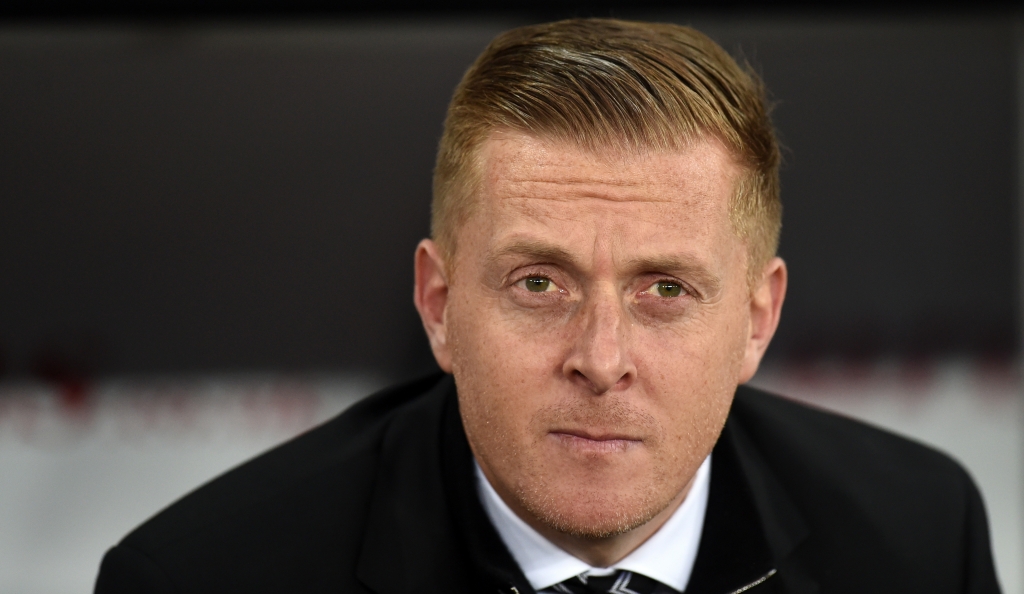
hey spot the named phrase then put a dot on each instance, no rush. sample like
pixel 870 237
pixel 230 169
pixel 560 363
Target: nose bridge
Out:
pixel 604 316
pixel 601 354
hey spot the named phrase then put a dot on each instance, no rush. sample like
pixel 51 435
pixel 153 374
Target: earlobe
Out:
pixel 765 311
pixel 431 298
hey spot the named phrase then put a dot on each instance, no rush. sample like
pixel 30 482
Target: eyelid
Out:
pixel 518 276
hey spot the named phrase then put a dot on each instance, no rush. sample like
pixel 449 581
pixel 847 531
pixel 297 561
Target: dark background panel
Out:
pixel 219 199
pixel 237 196
pixel 899 182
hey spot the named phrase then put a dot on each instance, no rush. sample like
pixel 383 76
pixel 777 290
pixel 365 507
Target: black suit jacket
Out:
pixel 381 499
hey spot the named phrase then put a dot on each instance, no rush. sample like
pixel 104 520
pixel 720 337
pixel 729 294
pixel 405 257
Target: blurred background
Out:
pixel 208 214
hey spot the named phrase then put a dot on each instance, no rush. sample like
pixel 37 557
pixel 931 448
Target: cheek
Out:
pixel 692 370
pixel 507 345
pixel 708 338
pixel 500 364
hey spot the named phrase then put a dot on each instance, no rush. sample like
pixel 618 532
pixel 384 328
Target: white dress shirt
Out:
pixel 667 556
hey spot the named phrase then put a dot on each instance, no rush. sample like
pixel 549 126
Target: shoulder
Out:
pixel 300 504
pixel 869 497
pixel 821 445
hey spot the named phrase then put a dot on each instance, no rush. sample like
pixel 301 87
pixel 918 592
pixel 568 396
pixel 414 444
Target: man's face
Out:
pixel 597 321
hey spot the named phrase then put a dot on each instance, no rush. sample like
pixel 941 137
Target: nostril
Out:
pixel 579 377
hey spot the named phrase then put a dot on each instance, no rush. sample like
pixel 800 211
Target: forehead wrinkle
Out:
pixel 581 189
pixel 538 210
pixel 549 178
pixel 608 214
pixel 570 180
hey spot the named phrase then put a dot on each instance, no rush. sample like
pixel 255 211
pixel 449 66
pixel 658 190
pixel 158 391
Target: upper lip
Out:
pixel 597 435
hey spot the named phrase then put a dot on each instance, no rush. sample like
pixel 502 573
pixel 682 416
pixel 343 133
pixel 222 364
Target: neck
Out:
pixel 602 552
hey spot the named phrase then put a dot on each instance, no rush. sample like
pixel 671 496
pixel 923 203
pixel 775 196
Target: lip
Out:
pixel 595 435
pixel 594 441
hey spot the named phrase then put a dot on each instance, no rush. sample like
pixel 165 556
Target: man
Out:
pixel 601 279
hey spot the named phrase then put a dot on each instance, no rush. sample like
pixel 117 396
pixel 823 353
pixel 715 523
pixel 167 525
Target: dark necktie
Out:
pixel 621 582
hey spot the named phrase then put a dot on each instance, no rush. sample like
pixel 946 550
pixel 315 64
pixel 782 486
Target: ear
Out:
pixel 765 310
pixel 431 298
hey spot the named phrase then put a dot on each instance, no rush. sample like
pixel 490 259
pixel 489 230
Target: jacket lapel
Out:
pixel 783 524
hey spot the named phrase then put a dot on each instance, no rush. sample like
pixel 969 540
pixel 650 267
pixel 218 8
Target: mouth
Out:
pixel 594 441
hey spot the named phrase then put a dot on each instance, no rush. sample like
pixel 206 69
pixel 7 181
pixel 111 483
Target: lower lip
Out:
pixel 596 446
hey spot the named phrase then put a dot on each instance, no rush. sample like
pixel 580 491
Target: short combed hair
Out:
pixel 603 83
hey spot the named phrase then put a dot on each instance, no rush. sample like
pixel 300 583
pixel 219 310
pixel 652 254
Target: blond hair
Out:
pixel 603 83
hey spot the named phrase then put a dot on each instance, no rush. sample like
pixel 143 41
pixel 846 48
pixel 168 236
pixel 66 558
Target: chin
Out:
pixel 592 512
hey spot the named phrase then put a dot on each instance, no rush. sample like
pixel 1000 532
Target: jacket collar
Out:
pixel 426 530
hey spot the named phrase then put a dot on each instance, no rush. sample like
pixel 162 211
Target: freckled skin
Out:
pixel 589 397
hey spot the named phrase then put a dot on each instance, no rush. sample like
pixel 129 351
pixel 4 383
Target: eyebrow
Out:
pixel 707 282
pixel 536 250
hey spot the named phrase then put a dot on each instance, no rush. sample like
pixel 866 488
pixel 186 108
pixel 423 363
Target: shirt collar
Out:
pixel 667 556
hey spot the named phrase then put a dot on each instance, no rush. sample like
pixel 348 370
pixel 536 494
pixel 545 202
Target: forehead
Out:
pixel 508 155
pixel 532 188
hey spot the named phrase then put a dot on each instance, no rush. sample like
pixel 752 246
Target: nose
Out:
pixel 600 359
